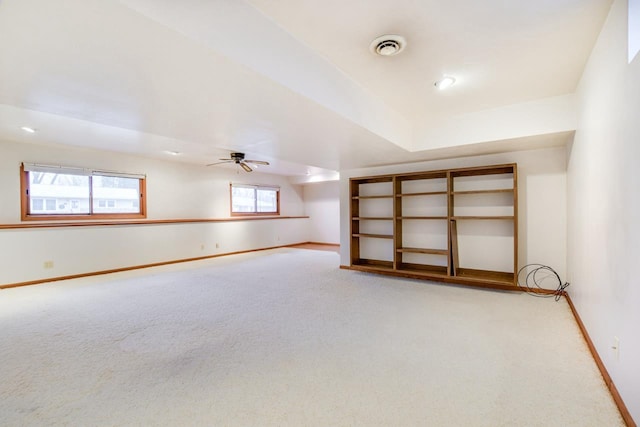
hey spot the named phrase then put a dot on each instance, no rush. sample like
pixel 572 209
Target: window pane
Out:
pixel 113 194
pixel 267 200
pixel 243 199
pixel 54 193
pixel 37 205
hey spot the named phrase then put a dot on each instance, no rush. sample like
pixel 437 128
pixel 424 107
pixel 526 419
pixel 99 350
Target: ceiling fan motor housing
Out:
pixel 237 157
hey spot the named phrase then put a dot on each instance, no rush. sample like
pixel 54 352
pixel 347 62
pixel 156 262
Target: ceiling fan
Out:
pixel 238 159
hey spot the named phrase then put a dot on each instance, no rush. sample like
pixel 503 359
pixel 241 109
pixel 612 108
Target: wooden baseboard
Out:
pixel 337 245
pixel 135 267
pixel 330 247
pixel 624 412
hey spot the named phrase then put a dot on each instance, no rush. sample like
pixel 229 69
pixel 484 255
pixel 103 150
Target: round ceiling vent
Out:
pixel 388 45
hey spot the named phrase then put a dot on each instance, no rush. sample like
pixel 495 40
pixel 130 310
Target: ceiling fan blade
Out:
pixel 218 163
pixel 245 167
pixel 257 162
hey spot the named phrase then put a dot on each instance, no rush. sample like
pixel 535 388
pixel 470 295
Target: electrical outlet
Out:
pixel 217 245
pixel 48 264
pixel 616 347
pixel 202 247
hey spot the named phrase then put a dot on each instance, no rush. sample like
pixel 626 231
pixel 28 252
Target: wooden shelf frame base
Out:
pixel 434 277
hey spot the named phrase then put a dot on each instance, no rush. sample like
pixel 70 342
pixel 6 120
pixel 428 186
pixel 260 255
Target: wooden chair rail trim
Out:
pixel 140 222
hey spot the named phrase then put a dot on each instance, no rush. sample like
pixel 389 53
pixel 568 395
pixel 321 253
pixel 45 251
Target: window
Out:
pixel 56 192
pixel 634 29
pixel 254 200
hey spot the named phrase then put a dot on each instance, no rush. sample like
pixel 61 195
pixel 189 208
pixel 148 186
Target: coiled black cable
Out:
pixel 535 274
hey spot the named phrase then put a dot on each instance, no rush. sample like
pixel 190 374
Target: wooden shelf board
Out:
pixel 483 217
pixel 423 251
pixel 368 264
pixel 388 196
pixel 431 270
pixel 373 236
pixel 422 217
pixel 373 218
pixel 486 275
pixel 484 170
pixel 497 191
pixel 422 176
pixel 428 193
pixel 372 179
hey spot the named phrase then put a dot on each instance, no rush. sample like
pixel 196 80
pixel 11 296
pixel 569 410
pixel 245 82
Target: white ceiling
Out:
pixel 292 82
pixel 501 52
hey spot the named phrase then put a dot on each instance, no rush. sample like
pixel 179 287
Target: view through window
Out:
pixel 59 191
pixel 254 200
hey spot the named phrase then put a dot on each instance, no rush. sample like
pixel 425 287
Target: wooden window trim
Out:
pixel 26 216
pixel 252 214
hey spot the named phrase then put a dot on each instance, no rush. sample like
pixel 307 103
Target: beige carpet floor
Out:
pixel 285 338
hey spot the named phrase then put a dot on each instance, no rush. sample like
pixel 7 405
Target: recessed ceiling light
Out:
pixel 28 129
pixel 445 83
pixel 388 45
pixel 173 153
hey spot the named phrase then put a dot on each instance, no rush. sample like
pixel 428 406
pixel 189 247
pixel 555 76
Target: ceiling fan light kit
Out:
pixel 238 159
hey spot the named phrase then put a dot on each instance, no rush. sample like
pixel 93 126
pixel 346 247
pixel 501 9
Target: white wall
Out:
pixel 322 205
pixel 539 117
pixel 604 205
pixel 541 194
pixel 174 191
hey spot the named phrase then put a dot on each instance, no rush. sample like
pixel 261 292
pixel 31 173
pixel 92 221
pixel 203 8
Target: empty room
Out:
pixel 319 213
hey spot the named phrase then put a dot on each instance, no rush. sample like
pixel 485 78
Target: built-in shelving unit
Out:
pixel 457 225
